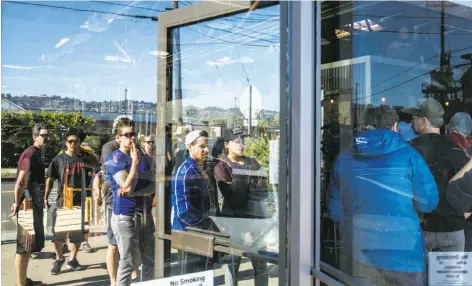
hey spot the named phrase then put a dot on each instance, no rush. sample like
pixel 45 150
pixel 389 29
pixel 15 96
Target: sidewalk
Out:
pixel 39 268
pixel 94 272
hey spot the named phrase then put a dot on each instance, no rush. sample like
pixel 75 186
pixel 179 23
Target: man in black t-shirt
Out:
pixel 236 175
pixel 30 175
pixel 444 227
pixel 67 169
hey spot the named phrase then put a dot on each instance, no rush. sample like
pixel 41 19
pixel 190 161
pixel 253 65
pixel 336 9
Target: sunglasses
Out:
pixel 128 134
pixel 73 141
pixel 44 135
pixel 149 142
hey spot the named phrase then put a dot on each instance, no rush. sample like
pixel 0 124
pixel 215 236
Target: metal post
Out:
pixel 177 69
pixel 249 131
pixel 443 30
pixel 82 199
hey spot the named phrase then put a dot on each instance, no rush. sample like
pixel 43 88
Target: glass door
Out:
pixel 219 140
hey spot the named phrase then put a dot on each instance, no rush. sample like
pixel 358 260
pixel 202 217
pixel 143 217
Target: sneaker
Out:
pixel 86 247
pixel 30 282
pixel 56 269
pixel 73 265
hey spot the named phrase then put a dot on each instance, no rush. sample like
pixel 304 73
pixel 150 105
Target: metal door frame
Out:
pixel 188 15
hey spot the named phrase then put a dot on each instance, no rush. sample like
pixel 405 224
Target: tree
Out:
pixel 17 131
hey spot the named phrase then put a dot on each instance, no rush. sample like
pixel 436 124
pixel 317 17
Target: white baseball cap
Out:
pixel 192 136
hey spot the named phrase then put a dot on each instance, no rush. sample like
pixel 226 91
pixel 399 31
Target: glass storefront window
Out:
pixel 395 123
pixel 220 207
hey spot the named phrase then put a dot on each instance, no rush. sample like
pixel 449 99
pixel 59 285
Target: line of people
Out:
pixel 194 198
pixel 75 168
pixel 125 186
pixel 394 200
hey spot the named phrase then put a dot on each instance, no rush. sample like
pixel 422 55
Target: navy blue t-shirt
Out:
pixel 118 161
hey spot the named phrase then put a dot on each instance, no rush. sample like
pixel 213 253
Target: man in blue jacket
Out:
pixel 189 196
pixel 376 188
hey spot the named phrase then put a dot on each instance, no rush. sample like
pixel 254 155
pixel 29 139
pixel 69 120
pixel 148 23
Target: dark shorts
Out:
pixel 111 237
pixel 27 242
pixel 75 237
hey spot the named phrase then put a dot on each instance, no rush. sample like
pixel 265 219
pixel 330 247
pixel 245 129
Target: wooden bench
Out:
pixel 69 222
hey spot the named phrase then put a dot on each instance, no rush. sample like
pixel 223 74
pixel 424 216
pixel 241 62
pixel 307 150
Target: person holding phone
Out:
pixel 30 176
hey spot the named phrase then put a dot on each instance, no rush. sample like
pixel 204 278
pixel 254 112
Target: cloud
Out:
pixel 17 77
pixel 61 42
pixel 118 59
pixel 227 61
pixel 17 67
pixel 158 53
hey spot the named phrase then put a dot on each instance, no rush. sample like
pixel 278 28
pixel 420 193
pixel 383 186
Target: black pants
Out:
pixel 261 275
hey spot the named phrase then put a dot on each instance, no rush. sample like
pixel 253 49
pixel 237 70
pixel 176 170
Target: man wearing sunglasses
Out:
pixel 67 169
pixel 30 175
pixel 123 166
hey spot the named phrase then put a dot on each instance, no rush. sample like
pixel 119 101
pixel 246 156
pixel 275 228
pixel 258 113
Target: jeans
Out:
pixel 127 235
pixel 445 241
pixel 261 275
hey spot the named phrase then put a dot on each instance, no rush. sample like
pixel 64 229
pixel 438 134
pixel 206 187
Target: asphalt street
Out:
pixel 8 226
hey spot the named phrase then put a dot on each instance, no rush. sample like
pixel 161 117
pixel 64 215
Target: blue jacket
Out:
pixel 189 197
pixel 375 189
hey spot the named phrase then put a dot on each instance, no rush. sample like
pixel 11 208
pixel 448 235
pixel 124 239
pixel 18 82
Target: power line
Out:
pixel 242 64
pixel 251 13
pixel 411 79
pixel 135 7
pixel 236 43
pixel 231 32
pixel 84 10
pixel 256 32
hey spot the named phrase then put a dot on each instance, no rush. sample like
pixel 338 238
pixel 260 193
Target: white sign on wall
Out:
pixel 204 278
pixel 450 268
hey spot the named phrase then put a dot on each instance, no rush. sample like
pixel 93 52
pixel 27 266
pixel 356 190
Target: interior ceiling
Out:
pixel 416 16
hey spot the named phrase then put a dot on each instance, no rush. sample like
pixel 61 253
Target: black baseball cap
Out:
pixel 235 133
pixel 75 132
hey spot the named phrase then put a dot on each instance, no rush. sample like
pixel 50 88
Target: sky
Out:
pixel 95 56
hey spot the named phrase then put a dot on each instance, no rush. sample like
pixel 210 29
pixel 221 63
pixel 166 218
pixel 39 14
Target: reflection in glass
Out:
pixel 224 126
pixel 394 74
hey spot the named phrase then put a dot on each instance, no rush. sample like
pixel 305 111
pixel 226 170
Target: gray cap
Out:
pixel 429 108
pixel 460 123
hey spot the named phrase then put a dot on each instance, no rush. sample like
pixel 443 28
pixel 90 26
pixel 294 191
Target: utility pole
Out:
pixel 443 31
pixel 177 70
pixel 250 111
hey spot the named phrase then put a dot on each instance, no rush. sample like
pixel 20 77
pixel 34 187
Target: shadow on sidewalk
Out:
pixel 94 280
